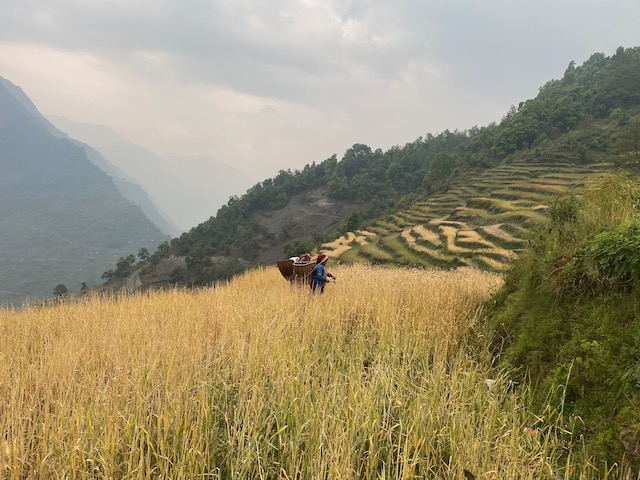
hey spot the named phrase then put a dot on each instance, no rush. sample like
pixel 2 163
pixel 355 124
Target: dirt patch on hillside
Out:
pixel 308 214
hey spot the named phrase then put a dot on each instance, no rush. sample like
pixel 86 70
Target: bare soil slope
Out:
pixel 307 215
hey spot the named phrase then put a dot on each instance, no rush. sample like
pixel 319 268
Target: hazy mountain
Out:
pixel 126 184
pixel 188 188
pixel 62 219
pixel 131 190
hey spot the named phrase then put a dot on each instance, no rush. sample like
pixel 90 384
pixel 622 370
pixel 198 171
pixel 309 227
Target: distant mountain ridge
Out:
pixel 132 190
pixel 62 219
pixel 126 184
pixel 188 188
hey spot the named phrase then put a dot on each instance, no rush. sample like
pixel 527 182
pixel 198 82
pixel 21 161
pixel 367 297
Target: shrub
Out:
pixel 569 314
pixel 611 260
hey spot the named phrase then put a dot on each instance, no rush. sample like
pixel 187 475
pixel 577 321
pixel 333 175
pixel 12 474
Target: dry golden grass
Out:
pixel 424 233
pixel 427 234
pixel 373 379
pixel 492 263
pixel 451 233
pixel 338 246
pixel 344 243
pixel 343 240
pixel 408 237
pixel 472 236
pixel 363 237
pixel 497 231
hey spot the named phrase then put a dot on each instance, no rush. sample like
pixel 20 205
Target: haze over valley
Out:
pixel 63 219
pixel 188 188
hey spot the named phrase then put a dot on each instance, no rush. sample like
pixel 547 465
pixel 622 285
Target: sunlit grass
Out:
pixel 376 378
pixel 373 250
pixel 427 234
pixel 340 246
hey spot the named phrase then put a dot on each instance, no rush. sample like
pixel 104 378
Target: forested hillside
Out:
pixel 589 116
pixel 62 219
pixel 127 186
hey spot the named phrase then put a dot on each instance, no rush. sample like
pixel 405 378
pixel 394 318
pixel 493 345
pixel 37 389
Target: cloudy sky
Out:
pixel 265 85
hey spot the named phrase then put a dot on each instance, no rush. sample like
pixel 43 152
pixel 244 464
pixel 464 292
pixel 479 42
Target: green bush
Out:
pixel 568 315
pixel 611 260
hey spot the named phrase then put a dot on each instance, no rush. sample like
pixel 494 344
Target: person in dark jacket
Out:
pixel 320 274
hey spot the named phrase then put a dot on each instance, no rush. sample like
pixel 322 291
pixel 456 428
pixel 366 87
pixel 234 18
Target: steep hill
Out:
pixel 568 317
pixel 536 188
pixel 188 188
pixel 62 219
pixel 449 199
pixel 127 186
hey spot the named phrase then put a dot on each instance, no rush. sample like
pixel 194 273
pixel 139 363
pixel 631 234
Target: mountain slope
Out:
pixel 131 190
pixel 126 185
pixel 62 220
pixel 482 220
pixel 536 187
pixel 189 189
pixel 568 318
pixel 425 196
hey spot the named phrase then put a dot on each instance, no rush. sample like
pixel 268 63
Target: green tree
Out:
pixel 629 140
pixel 521 131
pixel 198 258
pixel 362 186
pixel 338 186
pixel 163 251
pixel 123 267
pixel 107 275
pixel 60 290
pixel 351 223
pixel 143 254
pixel 355 159
pixel 437 180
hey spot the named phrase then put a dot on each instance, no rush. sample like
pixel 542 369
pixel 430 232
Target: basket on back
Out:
pixel 298 272
pixel 303 272
pixel 286 268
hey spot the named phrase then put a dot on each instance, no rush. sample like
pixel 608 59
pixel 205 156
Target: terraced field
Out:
pixel 481 223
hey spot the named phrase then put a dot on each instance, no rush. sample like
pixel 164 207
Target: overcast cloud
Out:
pixel 269 85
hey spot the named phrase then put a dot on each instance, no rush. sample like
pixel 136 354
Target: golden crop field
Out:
pixel 377 378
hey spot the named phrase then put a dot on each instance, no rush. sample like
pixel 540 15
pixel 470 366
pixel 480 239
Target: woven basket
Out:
pixel 303 272
pixel 299 272
pixel 286 268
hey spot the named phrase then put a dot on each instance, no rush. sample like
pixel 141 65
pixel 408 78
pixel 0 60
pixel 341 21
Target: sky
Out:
pixel 270 85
